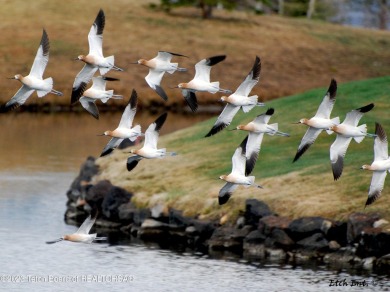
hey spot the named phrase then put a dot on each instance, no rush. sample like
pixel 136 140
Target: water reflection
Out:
pixel 62 141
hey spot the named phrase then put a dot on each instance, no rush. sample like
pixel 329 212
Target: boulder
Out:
pixel 279 239
pixel 255 210
pixel 338 232
pixel 176 218
pixel 269 223
pixel 228 238
pixel 96 193
pixel 255 237
pixel 316 241
pixel 87 171
pixel 126 212
pixel 306 226
pixel 373 243
pixel 140 215
pixel 357 223
pixel 115 197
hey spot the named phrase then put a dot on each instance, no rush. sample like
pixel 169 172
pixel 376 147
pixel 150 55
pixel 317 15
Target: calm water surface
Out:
pixel 40 156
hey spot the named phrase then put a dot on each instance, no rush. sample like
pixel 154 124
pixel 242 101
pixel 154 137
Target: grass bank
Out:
pixel 190 181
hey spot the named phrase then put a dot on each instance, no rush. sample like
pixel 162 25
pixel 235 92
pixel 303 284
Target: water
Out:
pixel 33 182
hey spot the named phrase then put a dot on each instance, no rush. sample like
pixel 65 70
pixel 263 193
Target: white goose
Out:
pixel 345 131
pixel 239 99
pixel 82 234
pixel 321 121
pixel 124 129
pixel 201 81
pixel 237 176
pixel 149 150
pixel 33 81
pixel 380 166
pixel 157 67
pixel 94 60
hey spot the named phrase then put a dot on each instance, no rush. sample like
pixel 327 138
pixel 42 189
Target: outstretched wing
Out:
pixel 132 162
pixel 251 79
pixel 111 145
pixel 18 99
pixel 326 106
pixel 95 36
pixel 380 143
pixel 152 133
pixel 41 58
pixel 226 192
pixel 337 153
pixel 376 187
pixel 252 151
pixel 190 98
pixel 81 81
pixel 90 106
pixel 86 226
pixel 354 116
pixel 203 67
pixel 129 112
pixel 307 140
pixel 224 119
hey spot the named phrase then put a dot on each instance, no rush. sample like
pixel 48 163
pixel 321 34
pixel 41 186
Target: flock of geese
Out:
pixel 246 154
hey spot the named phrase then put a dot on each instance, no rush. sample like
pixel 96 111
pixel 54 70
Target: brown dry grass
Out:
pixel 297 54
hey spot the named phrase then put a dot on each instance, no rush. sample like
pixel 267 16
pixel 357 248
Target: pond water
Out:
pixel 40 157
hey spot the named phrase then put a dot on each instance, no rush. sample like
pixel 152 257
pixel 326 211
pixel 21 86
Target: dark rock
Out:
pixel 334 245
pixel 126 212
pixel 383 263
pixel 115 197
pixel 227 238
pixel 176 218
pixel 254 210
pixel 279 239
pixel 306 226
pixel 253 250
pixel 140 215
pixel 87 171
pixel 255 237
pixel 96 193
pixel 269 223
pixel 356 224
pixel 316 241
pixel 153 230
pixel 204 229
pixel 158 212
pixel 338 232
pixel 373 242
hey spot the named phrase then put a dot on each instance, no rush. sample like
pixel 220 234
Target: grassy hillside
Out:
pixel 297 54
pixel 190 181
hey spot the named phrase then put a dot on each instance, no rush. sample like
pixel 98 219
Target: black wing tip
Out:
pixel 160 121
pixel 132 162
pixel 380 132
pixel 301 151
pixel 216 129
pixel 100 21
pixel 133 99
pixel 192 101
pixel 243 145
pixel 270 111
pixel 337 168
pixel 45 43
pixel 256 69
pixel 224 198
pixel 250 163
pixel 7 108
pixel 160 91
pixel 110 78
pixel 366 108
pixel 215 60
pixel 174 54
pixel 371 199
pixel 332 90
pixel 106 152
pixel 77 92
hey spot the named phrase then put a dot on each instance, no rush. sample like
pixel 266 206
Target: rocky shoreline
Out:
pixel 258 233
